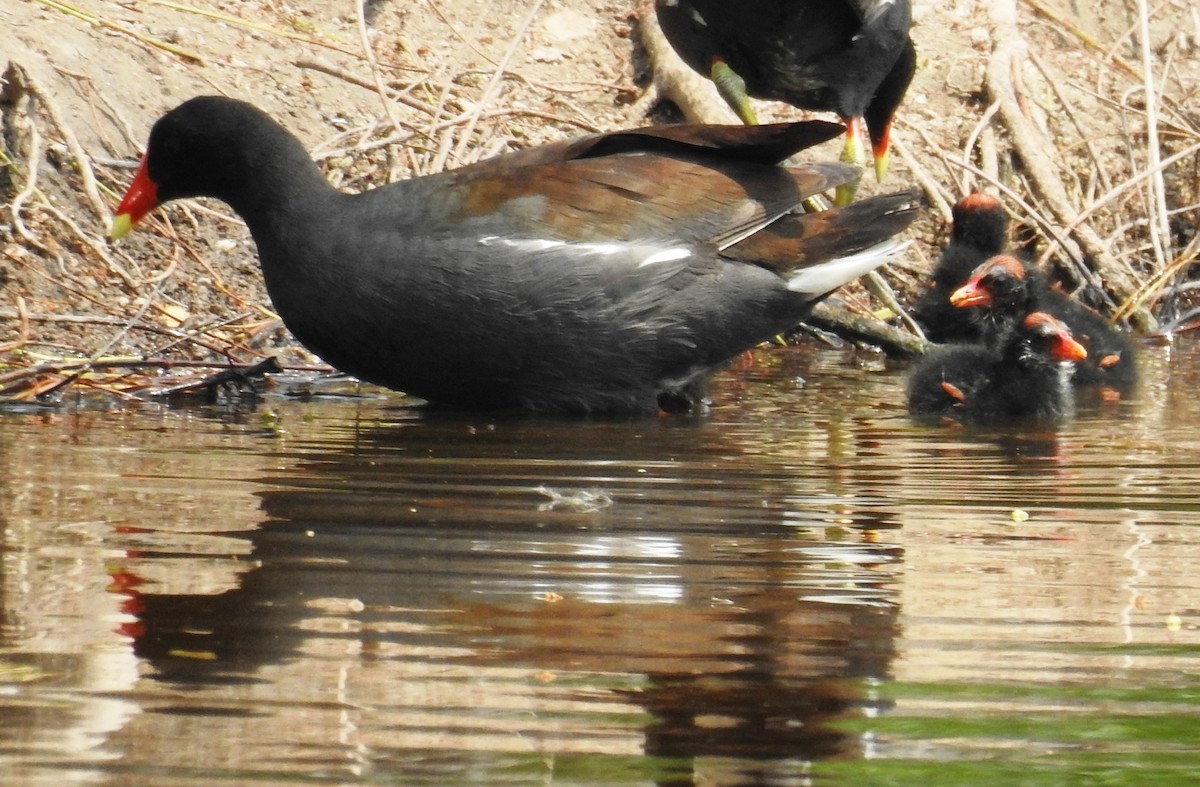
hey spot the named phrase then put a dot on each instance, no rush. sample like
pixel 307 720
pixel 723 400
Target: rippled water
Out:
pixel 802 586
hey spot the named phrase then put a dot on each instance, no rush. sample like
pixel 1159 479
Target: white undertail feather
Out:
pixel 828 276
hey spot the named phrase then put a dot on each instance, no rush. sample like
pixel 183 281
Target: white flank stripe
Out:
pixel 666 255
pixel 545 244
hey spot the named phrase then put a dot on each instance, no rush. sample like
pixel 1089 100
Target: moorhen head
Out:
pixel 1028 376
pixel 853 57
pixel 1003 289
pixel 979 231
pixel 998 293
pixel 611 273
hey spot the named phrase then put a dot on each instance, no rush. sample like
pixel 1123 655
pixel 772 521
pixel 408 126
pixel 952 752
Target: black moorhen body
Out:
pixel 979 231
pixel 853 57
pixel 610 273
pixel 1025 377
pixel 1003 288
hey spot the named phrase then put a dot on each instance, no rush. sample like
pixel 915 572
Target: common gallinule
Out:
pixel 1026 376
pixel 979 230
pixel 1002 289
pixel 610 273
pixel 853 57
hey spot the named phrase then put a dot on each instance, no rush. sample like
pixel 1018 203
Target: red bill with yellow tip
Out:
pixel 140 198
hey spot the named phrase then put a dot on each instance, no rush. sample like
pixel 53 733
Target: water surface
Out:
pixel 801 586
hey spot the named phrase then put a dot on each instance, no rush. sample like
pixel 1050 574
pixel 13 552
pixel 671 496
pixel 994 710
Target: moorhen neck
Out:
pixel 611 273
pixel 853 57
pixel 1002 289
pixel 1028 376
pixel 979 231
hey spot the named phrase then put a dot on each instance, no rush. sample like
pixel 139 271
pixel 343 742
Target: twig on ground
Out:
pixel 100 21
pixel 369 54
pixel 180 337
pixel 942 156
pixel 1008 54
pixel 489 92
pixel 844 323
pixel 95 245
pixel 878 286
pixel 22 196
pixel 330 69
pixel 976 133
pixel 238 374
pixel 42 379
pixel 22 328
pixel 437 11
pixel 236 21
pixel 82 162
pixel 929 185
pixel 1072 115
pixel 1160 231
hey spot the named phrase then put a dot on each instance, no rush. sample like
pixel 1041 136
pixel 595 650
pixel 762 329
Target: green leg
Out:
pixel 852 153
pixel 882 158
pixel 733 89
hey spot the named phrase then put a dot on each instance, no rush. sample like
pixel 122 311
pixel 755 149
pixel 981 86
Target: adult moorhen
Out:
pixel 853 57
pixel 610 273
pixel 1003 288
pixel 1025 377
pixel 979 230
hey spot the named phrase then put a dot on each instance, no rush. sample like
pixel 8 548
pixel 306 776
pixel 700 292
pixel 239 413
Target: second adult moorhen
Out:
pixel 1003 288
pixel 1028 376
pixel 853 57
pixel 979 231
pixel 611 273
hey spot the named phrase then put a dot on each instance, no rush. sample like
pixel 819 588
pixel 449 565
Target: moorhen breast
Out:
pixel 1028 376
pixel 610 273
pixel 1002 289
pixel 978 231
pixel 853 57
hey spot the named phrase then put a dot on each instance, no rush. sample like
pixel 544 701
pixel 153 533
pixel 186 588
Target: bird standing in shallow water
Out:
pixel 853 57
pixel 610 273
